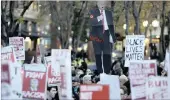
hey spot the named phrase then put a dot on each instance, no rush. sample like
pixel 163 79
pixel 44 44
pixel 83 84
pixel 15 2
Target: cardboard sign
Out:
pixel 64 58
pixel 53 79
pixel 8 54
pixel 113 82
pixel 134 48
pixel 169 75
pixel 34 81
pixel 19 47
pixel 56 55
pixel 5 82
pixel 157 88
pixel 167 61
pixel 94 92
pixel 139 71
pixel 16 79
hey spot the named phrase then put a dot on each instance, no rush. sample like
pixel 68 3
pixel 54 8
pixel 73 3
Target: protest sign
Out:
pixel 38 55
pixel 168 67
pixel 34 81
pixel 16 80
pixel 56 55
pixel 157 88
pixel 134 48
pixel 139 71
pixel 167 61
pixel 19 47
pixel 113 82
pixel 64 58
pixel 8 54
pixel 94 92
pixel 5 82
pixel 53 79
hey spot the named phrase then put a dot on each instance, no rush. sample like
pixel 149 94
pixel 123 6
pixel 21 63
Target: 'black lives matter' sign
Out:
pixel 134 48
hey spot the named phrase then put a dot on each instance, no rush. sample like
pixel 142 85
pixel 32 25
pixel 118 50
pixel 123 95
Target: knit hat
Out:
pixel 87 79
pixel 123 79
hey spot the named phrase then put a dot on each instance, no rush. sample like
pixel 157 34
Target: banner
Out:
pixel 94 92
pixel 16 80
pixel 34 81
pixel 53 79
pixel 157 88
pixel 19 47
pixel 134 48
pixel 61 62
pixel 113 82
pixel 139 71
pixel 8 54
pixel 5 82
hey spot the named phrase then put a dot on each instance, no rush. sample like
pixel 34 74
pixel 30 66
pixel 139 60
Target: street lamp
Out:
pixel 59 28
pixel 124 26
pixel 145 23
pixel 155 23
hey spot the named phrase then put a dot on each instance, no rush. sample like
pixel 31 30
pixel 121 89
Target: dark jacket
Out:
pixel 97 27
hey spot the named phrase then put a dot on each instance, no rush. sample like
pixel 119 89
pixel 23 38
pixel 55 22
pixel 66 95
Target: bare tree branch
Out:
pixel 22 14
pixel 140 7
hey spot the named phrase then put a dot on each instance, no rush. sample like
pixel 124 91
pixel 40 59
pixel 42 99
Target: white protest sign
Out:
pixel 167 61
pixel 113 82
pixel 16 80
pixel 169 75
pixel 134 48
pixel 139 71
pixel 8 54
pixel 65 73
pixel 56 55
pixel 53 79
pixel 157 88
pixel 19 47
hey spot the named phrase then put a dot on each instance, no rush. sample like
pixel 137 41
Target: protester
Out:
pixel 52 93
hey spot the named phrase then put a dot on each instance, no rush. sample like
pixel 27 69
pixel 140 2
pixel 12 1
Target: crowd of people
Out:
pixel 83 74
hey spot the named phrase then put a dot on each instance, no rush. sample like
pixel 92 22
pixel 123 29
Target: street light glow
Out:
pixel 155 23
pixel 124 26
pixel 145 23
pixel 59 28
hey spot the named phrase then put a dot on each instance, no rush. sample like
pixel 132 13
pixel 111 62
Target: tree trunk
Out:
pixel 10 29
pixel 80 32
pixel 126 4
pixel 162 42
pixel 136 15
